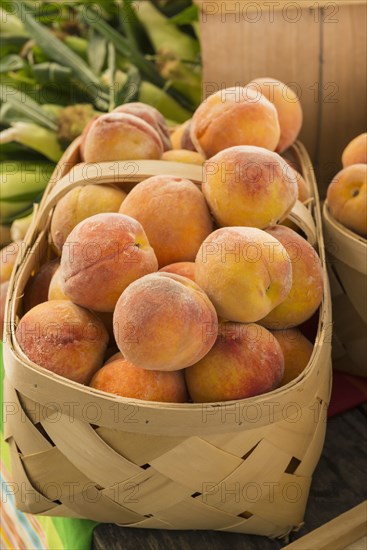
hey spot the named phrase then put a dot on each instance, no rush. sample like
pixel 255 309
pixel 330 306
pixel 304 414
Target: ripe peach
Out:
pixel 304 191
pixel 101 257
pixel 356 151
pixel 235 116
pixel 3 292
pixel 182 155
pixel 181 138
pixel 287 105
pixel 81 203
pixel 55 289
pixel 307 281
pixel 164 322
pixel 121 377
pixel 63 338
pixel 174 215
pixel 347 198
pixel 185 269
pixel 36 290
pixel 297 351
pixel 152 116
pixel 244 271
pixel 249 186
pixel 119 136
pixel 8 256
pixel 244 361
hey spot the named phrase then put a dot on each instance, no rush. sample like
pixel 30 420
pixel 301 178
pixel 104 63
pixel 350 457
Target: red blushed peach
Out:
pixel 307 281
pixel 36 290
pixel 181 155
pixel 174 215
pixel 287 105
pixel 356 151
pixel 347 198
pixel 63 338
pixel 244 271
pixel 297 351
pixel 185 269
pixel 249 186
pixel 79 204
pixel 164 322
pixel 246 360
pixel 152 116
pixel 119 136
pixel 235 116
pixel 3 292
pixel 8 256
pixel 121 377
pixel 101 257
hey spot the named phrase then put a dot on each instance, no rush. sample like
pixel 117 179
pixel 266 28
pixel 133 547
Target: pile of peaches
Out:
pixel 347 193
pixel 175 292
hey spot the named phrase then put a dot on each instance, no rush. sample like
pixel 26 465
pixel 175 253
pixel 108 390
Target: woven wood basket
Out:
pixel 318 47
pixel 241 466
pixel 347 263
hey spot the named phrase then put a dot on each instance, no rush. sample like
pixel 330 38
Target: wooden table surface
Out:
pixel 339 483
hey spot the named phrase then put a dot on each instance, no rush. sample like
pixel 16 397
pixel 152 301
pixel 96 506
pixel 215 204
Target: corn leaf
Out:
pixel 185 17
pixel 26 105
pixel 131 88
pixel 59 52
pixel 97 51
pixel 35 137
pixel 51 72
pixel 11 62
pixel 122 45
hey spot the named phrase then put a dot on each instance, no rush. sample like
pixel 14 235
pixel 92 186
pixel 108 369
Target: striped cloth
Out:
pixel 20 531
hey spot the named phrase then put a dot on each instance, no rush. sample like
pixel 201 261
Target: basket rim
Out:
pixel 342 230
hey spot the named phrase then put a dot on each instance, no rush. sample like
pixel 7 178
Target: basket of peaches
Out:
pixel 173 269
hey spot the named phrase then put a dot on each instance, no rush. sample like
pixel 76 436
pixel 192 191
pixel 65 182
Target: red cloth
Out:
pixel 348 392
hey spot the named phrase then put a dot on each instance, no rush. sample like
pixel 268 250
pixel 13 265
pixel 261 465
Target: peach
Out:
pixel 164 322
pixel 3 292
pixel 8 256
pixel 36 290
pixel 81 203
pixel 182 155
pixel 84 135
pixel 234 116
pixel 120 136
pixel 347 198
pixel 244 271
pixel 297 351
pixel 180 137
pixel 356 151
pixel 249 186
pixel 174 215
pixel 307 281
pixel 101 257
pixel 63 338
pixel 116 355
pixel 244 361
pixel 185 269
pixel 55 289
pixel 121 377
pixel 287 105
pixel 151 115
pixel 304 191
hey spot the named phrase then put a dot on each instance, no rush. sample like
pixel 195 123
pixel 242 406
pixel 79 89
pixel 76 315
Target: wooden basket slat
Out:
pixel 347 263
pixel 166 452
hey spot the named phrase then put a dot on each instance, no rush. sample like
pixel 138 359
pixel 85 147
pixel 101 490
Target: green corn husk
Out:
pixel 182 77
pixel 152 95
pixel 27 106
pixel 51 73
pixel 21 184
pixel 10 24
pixel 166 37
pixel 35 137
pixel 78 44
pixel 19 227
pixel 11 62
